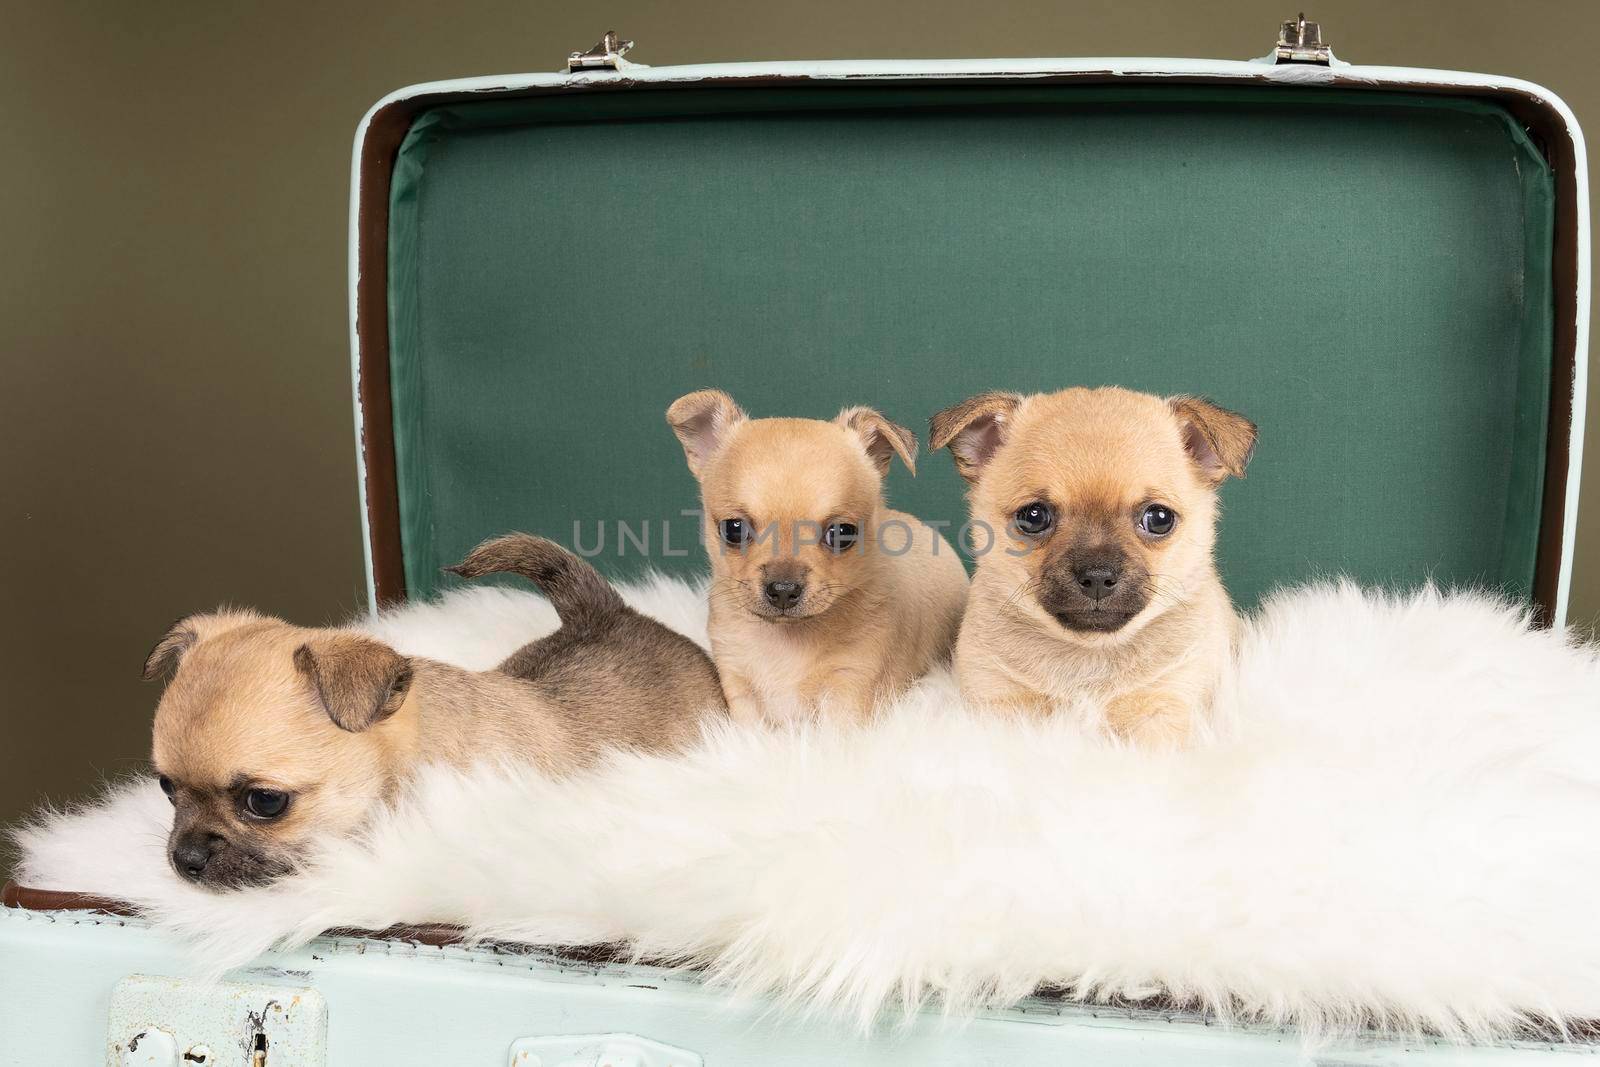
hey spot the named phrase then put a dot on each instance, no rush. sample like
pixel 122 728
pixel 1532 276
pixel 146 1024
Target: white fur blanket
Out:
pixel 1397 823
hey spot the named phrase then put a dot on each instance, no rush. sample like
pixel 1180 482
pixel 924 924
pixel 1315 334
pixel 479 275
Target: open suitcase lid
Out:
pixel 1386 268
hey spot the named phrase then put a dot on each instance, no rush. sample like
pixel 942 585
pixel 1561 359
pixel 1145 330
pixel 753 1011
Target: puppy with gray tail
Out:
pixel 269 733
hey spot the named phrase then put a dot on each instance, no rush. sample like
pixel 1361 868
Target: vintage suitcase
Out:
pixel 1387 268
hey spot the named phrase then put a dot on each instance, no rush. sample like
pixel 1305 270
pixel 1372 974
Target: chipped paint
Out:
pixel 152 1047
pixel 601 1050
pixel 202 1017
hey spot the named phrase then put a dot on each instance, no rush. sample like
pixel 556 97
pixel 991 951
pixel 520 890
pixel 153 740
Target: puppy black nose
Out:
pixel 783 595
pixel 1097 583
pixel 191 856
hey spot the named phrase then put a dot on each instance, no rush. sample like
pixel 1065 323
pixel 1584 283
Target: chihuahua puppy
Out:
pixel 269 733
pixel 821 596
pixel 1100 580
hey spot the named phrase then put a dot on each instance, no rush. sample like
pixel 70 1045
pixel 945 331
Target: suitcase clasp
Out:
pixel 606 54
pixel 1300 41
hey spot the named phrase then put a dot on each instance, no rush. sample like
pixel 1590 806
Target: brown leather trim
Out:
pixel 1547 130
pixel 378 152
pixel 28 899
pixel 389 126
pixel 16 896
pixel 437 935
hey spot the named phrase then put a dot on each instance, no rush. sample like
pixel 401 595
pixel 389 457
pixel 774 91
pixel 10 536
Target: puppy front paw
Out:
pixel 1150 720
pixel 843 694
pixel 997 697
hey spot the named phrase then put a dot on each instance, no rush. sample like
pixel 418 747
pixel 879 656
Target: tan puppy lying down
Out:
pixel 269 733
pixel 821 597
pixel 1101 582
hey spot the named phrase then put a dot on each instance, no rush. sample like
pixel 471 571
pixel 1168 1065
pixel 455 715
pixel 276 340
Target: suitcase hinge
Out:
pixel 606 54
pixel 1300 41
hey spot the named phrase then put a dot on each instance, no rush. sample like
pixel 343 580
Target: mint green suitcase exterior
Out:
pixel 1387 268
pixel 357 1001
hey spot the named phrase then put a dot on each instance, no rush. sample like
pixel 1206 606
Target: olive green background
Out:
pixel 174 388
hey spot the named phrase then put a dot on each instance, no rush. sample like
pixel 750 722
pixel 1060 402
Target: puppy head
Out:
pixel 268 733
pixel 791 505
pixel 1102 502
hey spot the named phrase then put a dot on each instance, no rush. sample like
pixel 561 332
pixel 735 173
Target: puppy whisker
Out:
pixel 1032 585
pixel 1157 587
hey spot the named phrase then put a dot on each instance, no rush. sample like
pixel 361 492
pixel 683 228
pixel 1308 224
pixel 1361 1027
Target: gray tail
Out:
pixel 576 590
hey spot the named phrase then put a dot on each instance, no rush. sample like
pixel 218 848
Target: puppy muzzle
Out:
pixel 1095 599
pixel 784 594
pixel 210 861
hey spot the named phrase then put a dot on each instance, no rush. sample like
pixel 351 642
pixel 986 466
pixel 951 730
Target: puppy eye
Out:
pixel 265 803
pixel 735 532
pixel 166 787
pixel 841 536
pixel 1034 519
pixel 1157 520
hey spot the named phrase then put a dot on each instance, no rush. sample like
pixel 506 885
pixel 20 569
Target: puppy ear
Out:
pixel 1219 441
pixel 187 632
pixel 881 438
pixel 702 421
pixel 973 430
pixel 179 638
pixel 360 681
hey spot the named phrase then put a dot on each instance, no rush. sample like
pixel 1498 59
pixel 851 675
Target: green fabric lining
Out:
pixel 1367 275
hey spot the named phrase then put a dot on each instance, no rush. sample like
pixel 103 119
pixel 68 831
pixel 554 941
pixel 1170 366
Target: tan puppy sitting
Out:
pixel 822 597
pixel 269 733
pixel 1100 582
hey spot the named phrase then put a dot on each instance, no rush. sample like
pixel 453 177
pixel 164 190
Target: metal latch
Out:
pixel 606 54
pixel 1300 41
pixel 157 1021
